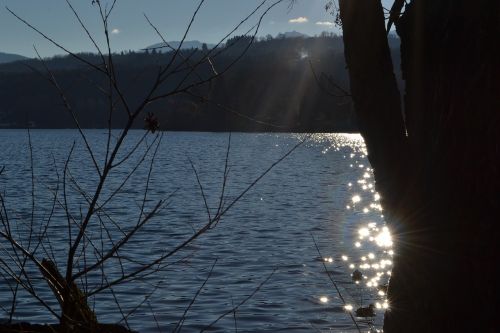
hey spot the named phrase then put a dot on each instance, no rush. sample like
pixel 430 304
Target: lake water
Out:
pixel 324 189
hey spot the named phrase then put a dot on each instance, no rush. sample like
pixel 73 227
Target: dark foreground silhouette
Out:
pixel 56 328
pixel 436 164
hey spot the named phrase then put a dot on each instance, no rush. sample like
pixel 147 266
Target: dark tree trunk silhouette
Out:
pixel 437 163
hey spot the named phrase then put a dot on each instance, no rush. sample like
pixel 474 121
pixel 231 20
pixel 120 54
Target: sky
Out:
pixel 129 29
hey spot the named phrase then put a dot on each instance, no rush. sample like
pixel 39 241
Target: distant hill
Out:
pixel 196 44
pixel 188 44
pixel 270 88
pixel 8 57
pixel 292 34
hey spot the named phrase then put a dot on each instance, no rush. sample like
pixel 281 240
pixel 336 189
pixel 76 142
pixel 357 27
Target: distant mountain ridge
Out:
pixel 292 34
pixel 9 57
pixel 196 44
pixel 186 45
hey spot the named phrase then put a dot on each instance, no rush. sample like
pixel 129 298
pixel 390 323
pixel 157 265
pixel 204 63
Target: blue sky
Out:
pixel 131 31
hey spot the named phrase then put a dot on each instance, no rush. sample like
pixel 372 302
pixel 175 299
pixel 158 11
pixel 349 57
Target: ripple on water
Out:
pixel 268 230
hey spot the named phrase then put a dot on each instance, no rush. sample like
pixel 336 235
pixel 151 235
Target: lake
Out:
pixel 261 256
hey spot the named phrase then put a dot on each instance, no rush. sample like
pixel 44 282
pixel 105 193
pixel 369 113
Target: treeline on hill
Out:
pixel 278 85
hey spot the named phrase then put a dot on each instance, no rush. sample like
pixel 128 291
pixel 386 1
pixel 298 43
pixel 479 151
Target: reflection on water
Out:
pixel 371 257
pixel 325 188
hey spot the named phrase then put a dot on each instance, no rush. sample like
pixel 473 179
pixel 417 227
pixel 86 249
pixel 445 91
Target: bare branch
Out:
pixel 246 299
pixel 68 107
pixel 335 284
pixel 180 323
pixel 344 93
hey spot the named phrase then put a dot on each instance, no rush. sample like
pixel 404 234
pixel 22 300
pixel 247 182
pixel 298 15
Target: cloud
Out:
pixel 300 19
pixel 115 31
pixel 325 23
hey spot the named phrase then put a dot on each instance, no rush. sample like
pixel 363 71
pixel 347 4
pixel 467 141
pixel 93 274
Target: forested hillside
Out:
pixel 282 84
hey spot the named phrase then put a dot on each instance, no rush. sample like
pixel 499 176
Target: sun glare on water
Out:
pixel 369 258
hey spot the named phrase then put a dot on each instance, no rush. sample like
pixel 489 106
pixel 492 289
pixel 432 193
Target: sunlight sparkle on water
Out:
pixel 323 299
pixel 372 241
pixel 356 199
pixel 364 232
pixel 385 262
pixel 384 239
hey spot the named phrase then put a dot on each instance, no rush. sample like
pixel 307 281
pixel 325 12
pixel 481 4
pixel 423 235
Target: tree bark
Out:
pixel 439 180
pixel 373 87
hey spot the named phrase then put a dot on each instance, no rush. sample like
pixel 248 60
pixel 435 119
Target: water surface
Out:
pixel 324 189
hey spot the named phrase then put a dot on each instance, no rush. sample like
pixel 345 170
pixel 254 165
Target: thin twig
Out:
pixel 180 323
pixel 335 284
pixel 235 308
